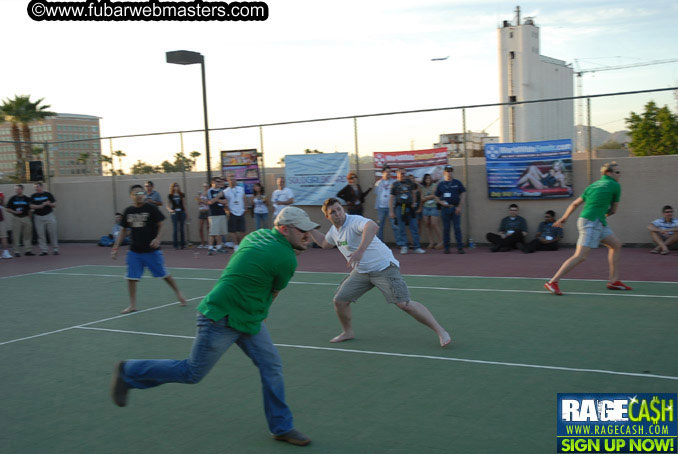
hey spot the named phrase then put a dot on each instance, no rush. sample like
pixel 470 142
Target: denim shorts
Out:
pixel 591 232
pixel 137 261
pixel 389 281
pixel 431 211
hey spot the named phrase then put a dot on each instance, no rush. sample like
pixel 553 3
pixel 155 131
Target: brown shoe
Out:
pixel 118 386
pixel 293 436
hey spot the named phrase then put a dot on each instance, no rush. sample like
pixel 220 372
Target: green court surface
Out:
pixel 391 390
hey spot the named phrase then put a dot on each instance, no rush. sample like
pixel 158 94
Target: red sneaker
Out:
pixel 553 288
pixel 618 285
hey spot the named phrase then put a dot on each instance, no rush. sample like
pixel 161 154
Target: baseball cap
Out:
pixel 295 217
pixel 449 169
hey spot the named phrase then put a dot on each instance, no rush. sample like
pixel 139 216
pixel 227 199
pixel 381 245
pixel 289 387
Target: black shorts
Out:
pixel 236 223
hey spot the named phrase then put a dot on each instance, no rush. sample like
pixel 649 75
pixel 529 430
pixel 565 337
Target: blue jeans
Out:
pixel 212 341
pixel 178 221
pixel 448 215
pixel 401 239
pixel 261 220
pixel 383 216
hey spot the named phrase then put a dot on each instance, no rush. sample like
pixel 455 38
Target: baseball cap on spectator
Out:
pixel 295 217
pixel 449 169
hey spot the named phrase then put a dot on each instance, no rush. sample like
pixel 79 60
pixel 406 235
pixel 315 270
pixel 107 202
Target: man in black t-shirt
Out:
pixel 512 232
pixel 145 222
pixel 19 206
pixel 402 209
pixel 217 218
pixel 42 203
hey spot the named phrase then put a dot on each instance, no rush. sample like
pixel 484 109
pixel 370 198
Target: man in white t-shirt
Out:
pixel 281 197
pixel 382 202
pixel 373 265
pixel 236 210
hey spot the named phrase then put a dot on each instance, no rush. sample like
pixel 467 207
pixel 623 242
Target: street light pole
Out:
pixel 187 57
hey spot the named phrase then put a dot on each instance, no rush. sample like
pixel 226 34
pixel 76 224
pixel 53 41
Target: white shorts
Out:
pixel 592 232
pixel 218 225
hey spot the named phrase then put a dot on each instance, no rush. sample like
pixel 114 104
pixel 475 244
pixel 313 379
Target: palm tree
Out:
pixel 108 160
pixel 84 159
pixel 119 154
pixel 195 155
pixel 21 111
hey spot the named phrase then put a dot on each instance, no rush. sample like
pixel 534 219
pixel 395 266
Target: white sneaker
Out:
pixel 235 248
pixel 7 255
pixel 403 250
pixel 228 244
pixel 420 251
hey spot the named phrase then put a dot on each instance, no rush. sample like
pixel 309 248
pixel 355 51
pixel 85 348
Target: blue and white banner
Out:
pixel 315 177
pixel 529 170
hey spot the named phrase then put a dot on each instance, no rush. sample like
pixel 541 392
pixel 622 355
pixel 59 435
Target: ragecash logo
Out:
pixel 623 423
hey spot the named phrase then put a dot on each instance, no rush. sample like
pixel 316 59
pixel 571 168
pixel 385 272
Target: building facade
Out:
pixel 475 143
pixel 525 75
pixel 73 147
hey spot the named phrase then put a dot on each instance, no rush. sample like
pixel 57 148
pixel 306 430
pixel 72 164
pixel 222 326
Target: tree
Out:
pixel 108 160
pixel 20 112
pixel 654 132
pixel 195 155
pixel 143 168
pixel 309 151
pixel 84 159
pixel 611 145
pixel 119 154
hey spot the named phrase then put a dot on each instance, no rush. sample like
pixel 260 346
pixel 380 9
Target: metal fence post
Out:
pixel 115 203
pixel 467 220
pixel 589 165
pixel 355 140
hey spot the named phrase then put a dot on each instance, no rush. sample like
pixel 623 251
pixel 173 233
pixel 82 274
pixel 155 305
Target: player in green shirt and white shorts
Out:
pixel 602 199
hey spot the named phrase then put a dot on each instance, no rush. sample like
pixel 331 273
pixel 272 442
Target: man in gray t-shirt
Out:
pixel 152 196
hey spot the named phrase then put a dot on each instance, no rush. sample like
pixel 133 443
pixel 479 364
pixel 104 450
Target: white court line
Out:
pixel 542 292
pixel 404 355
pixel 425 275
pixel 97 321
pixel 44 272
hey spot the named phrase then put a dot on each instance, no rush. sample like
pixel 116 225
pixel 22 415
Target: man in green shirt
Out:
pixel 233 312
pixel 602 199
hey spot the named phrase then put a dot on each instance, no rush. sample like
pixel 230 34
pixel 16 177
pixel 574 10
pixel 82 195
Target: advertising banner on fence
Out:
pixel 633 422
pixel 418 162
pixel 243 165
pixel 529 170
pixel 315 177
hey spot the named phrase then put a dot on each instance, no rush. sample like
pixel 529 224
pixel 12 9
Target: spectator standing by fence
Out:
pixel 177 209
pixel 353 195
pixel 382 202
pixel 152 196
pixel 235 195
pixel 260 206
pixel 19 207
pixel 218 227
pixel 281 197
pixel 203 215
pixel 43 204
pixel 430 212
pixel 402 209
pixel 4 223
pixel 451 193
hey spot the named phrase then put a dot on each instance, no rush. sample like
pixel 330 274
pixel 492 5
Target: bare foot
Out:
pixel 129 310
pixel 182 300
pixel 342 337
pixel 445 339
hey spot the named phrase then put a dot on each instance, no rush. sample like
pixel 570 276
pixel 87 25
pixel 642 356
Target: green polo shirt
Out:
pixel 599 196
pixel 265 262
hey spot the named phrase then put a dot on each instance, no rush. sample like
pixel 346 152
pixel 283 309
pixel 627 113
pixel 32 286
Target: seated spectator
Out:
pixel 547 236
pixel 512 232
pixel 353 195
pixel 109 240
pixel 664 231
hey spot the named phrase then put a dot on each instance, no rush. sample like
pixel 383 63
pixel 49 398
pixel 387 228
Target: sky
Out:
pixel 317 59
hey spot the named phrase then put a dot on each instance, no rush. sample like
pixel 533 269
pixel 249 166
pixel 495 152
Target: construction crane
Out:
pixel 580 72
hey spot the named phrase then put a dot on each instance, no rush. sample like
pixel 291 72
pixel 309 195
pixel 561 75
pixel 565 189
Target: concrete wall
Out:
pixel 85 206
